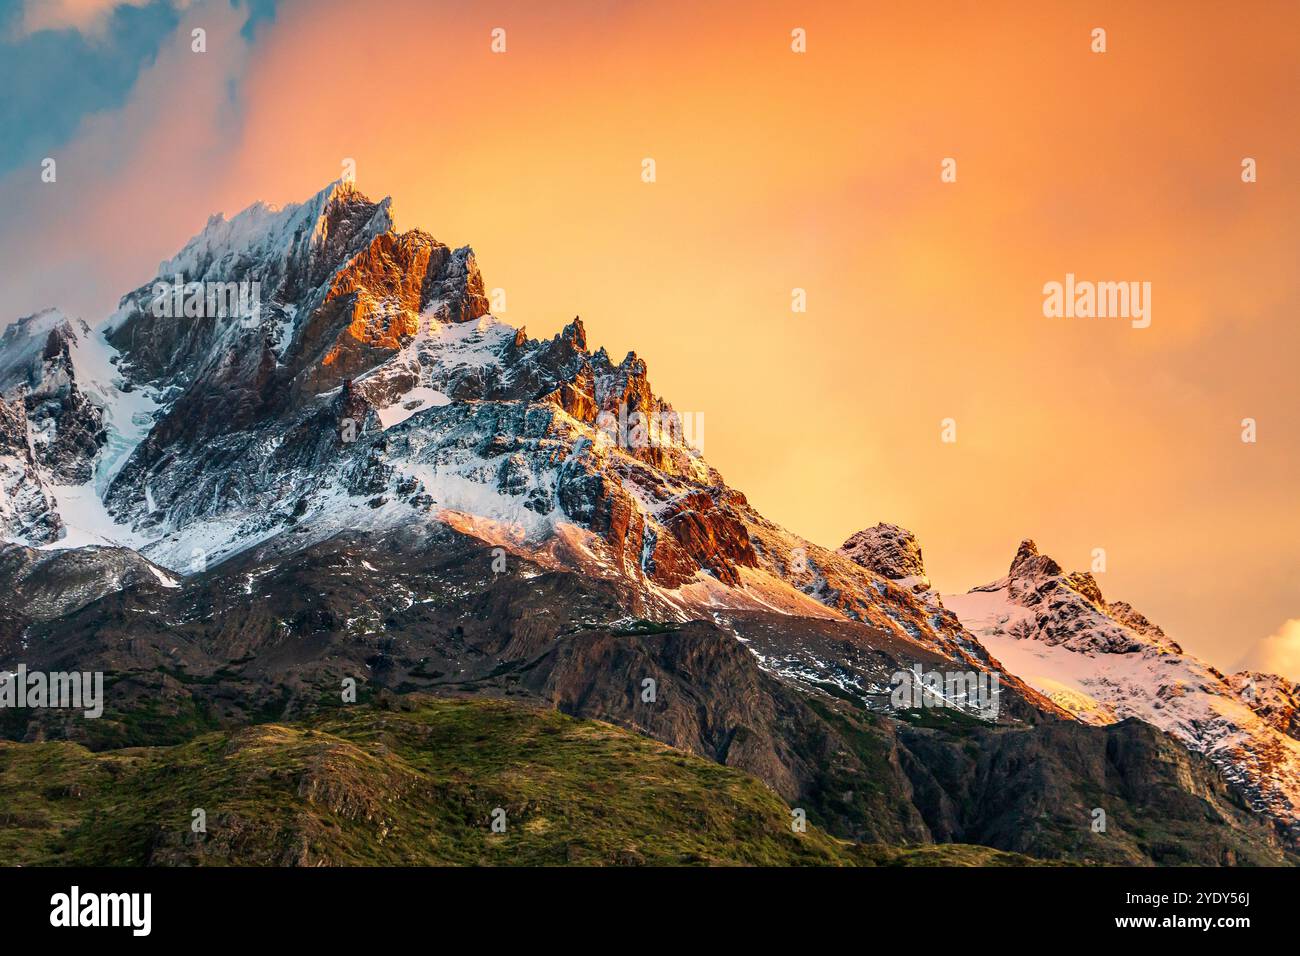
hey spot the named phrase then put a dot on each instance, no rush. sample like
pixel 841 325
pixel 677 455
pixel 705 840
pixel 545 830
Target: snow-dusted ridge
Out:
pixel 1105 662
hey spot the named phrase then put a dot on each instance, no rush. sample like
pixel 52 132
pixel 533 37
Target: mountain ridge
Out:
pixel 1105 661
pixel 528 519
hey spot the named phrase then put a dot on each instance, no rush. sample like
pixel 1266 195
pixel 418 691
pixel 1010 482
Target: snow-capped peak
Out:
pixel 264 233
pixel 1106 661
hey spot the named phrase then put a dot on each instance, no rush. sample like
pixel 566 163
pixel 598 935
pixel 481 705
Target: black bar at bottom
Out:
pixel 946 906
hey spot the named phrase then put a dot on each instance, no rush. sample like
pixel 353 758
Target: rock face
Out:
pixel 52 421
pixel 890 551
pixel 1275 699
pixel 66 427
pixel 1106 661
pixel 369 474
pixel 27 511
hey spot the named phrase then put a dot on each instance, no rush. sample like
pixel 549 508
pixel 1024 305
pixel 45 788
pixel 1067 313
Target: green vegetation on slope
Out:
pixel 417 786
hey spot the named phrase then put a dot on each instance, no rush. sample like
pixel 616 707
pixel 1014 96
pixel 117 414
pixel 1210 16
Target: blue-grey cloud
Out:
pixel 259 12
pixel 53 78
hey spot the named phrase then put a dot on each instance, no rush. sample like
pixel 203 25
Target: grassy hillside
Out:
pixel 417 786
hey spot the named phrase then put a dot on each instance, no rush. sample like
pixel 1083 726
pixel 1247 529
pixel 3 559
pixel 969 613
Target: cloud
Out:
pixel 1278 653
pixel 158 159
pixel 90 17
pixel 54 78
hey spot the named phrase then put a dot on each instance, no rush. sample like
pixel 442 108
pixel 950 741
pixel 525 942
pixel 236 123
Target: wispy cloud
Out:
pixel 1278 653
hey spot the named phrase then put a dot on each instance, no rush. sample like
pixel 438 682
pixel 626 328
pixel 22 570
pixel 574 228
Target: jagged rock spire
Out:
pixel 1028 562
pixel 888 550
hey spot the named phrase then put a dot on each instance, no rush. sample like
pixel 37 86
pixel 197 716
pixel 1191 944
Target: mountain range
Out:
pixel 373 479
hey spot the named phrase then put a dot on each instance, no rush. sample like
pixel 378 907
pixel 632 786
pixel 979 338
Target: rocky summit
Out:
pixel 238 506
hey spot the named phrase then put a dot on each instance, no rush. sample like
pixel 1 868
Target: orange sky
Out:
pixel 821 171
